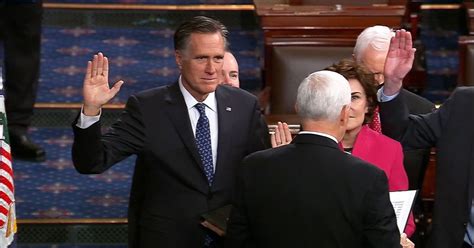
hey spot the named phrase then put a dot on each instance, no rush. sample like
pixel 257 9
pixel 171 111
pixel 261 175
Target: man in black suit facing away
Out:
pixel 310 193
pixel 449 129
pixel 189 138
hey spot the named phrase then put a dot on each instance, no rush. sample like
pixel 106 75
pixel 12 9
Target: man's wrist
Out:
pixel 391 88
pixel 88 110
pixel 84 121
pixel 382 97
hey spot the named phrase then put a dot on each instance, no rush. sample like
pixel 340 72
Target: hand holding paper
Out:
pixel 402 202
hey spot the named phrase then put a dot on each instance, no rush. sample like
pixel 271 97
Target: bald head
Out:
pixel 323 103
pixel 322 95
pixel 230 71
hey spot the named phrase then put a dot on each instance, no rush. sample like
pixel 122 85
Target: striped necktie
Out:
pixel 203 142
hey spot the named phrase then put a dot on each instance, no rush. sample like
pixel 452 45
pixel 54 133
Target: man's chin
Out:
pixel 210 82
pixel 209 88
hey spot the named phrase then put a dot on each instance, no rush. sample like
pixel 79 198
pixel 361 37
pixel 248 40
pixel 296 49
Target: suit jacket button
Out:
pixel 465 224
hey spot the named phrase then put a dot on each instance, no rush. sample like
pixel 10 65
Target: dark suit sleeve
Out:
pixel 417 104
pixel 415 160
pixel 238 230
pixel 380 224
pixel 414 131
pixel 258 135
pixel 94 153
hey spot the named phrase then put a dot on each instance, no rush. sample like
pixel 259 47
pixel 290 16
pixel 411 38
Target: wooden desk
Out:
pixel 282 20
pixel 290 119
pixel 293 122
pixel 470 16
pixel 324 23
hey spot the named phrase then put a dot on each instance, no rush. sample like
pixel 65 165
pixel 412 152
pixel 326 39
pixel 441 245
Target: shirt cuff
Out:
pixel 384 98
pixel 85 121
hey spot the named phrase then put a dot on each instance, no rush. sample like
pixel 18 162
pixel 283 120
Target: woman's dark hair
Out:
pixel 351 70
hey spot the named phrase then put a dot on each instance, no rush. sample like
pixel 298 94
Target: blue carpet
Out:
pixel 142 57
pixel 439 34
pixel 53 189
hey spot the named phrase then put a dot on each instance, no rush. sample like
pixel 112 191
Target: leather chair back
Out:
pixel 291 64
pixel 469 67
pixel 466 61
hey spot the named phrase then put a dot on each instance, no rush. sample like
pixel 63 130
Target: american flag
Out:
pixel 7 189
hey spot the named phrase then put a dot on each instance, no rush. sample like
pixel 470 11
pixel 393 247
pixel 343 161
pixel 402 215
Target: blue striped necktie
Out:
pixel 203 142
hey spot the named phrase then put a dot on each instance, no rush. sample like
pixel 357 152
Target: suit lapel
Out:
pixel 225 121
pixel 179 116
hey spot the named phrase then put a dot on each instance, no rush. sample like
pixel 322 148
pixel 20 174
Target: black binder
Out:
pixel 216 220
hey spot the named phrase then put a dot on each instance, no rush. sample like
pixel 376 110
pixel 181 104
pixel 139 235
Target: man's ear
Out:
pixel 178 55
pixel 342 122
pixel 344 115
pixel 296 108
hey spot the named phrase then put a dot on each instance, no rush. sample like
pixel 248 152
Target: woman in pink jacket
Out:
pixel 365 143
pixel 359 139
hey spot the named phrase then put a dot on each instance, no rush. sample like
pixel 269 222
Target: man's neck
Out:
pixel 325 127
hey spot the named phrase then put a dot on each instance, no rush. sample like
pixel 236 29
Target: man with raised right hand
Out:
pixel 449 129
pixel 189 138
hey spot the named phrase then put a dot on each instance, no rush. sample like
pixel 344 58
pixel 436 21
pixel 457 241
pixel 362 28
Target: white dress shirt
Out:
pixel 211 113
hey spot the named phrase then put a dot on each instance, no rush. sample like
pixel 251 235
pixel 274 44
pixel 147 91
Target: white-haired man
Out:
pixel 371 50
pixel 313 194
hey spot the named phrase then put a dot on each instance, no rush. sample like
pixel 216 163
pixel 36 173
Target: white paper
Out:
pixel 402 201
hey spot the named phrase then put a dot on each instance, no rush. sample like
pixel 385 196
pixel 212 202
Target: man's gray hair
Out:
pixel 376 37
pixel 198 25
pixel 322 95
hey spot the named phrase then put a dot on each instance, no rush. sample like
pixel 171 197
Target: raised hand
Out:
pixel 96 90
pixel 281 136
pixel 399 61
